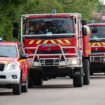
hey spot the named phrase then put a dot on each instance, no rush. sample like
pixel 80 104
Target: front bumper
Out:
pixel 73 62
pixel 10 77
pixel 97 58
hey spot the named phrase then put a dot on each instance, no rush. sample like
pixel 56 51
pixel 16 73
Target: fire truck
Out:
pixel 97 41
pixel 57 45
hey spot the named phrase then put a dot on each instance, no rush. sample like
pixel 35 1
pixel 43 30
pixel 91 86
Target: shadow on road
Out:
pixel 57 86
pixel 6 93
pixel 98 76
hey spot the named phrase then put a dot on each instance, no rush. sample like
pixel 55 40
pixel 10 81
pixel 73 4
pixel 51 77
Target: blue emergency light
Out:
pixel 54 11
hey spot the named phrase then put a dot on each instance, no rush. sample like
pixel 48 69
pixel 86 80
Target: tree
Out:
pixel 7 16
pixel 11 10
pixel 85 7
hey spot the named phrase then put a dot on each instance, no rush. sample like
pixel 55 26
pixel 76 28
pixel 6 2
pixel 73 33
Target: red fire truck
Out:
pixel 57 45
pixel 97 41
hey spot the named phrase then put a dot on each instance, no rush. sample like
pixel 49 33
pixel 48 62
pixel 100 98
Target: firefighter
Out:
pixel 31 30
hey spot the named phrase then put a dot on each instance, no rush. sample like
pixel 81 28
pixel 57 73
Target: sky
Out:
pixel 103 1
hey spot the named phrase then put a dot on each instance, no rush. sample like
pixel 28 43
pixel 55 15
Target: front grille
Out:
pixel 2 76
pixel 49 52
pixel 49 62
pixel 2 67
pixel 97 58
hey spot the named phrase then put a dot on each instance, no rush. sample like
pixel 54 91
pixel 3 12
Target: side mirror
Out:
pixel 83 22
pixel 15 30
pixel 84 31
pixel 24 56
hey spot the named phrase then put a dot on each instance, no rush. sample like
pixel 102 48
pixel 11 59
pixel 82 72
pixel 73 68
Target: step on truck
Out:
pixel 97 42
pixel 57 45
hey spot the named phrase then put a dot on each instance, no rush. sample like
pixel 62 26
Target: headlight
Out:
pixel 74 61
pixel 12 66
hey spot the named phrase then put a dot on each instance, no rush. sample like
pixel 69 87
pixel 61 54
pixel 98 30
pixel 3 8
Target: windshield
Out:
pixel 99 33
pixel 49 26
pixel 8 51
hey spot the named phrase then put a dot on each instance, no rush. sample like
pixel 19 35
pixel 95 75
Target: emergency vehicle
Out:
pixel 97 41
pixel 57 45
pixel 13 67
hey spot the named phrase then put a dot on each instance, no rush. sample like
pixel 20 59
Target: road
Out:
pixel 59 92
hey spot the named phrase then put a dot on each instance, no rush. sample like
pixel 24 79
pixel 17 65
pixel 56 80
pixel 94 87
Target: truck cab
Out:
pixel 13 67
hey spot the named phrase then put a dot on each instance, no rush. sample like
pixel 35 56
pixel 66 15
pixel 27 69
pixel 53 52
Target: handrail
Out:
pixel 39 35
pixel 50 55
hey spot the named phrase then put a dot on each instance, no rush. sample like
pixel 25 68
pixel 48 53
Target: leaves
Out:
pixel 11 10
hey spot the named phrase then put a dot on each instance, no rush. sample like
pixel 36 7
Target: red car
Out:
pixel 13 67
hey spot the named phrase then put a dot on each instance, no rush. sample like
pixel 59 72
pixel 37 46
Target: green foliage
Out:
pixel 85 7
pixel 11 10
pixel 42 6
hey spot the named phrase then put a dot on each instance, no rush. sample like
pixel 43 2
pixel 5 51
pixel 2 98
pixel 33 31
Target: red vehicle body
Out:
pixel 13 67
pixel 97 41
pixel 57 44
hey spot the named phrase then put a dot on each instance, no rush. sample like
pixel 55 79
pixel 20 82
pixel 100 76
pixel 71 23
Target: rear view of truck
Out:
pixel 57 45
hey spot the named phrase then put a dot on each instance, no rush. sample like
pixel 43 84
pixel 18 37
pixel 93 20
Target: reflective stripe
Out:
pixel 38 42
pixel 60 41
pixel 92 44
pixel 103 43
pixel 99 44
pixel 45 42
pixel 63 41
pixel 31 42
pixel 67 41
pixel 95 44
pixel 52 41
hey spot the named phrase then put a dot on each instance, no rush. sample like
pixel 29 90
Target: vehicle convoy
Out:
pixel 57 45
pixel 97 41
pixel 13 67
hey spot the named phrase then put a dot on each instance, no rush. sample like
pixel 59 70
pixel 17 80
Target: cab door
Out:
pixel 23 64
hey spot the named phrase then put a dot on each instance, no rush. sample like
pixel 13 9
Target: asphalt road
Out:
pixel 59 92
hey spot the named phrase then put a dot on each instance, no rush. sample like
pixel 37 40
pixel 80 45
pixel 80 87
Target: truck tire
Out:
pixel 38 79
pixel 17 89
pixel 38 82
pixel 91 73
pixel 31 79
pixel 78 78
pixel 25 86
pixel 86 67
